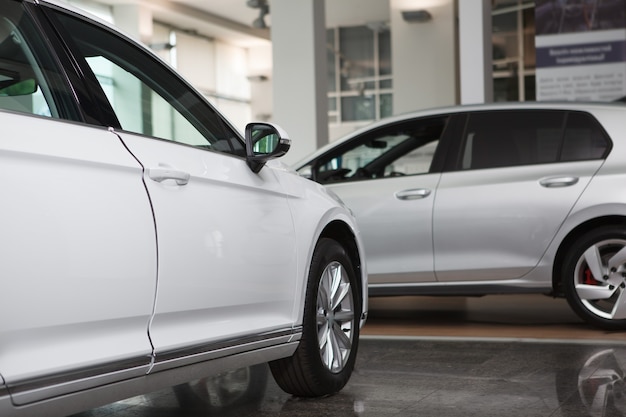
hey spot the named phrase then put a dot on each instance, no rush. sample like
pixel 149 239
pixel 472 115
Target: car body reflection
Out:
pixel 228 392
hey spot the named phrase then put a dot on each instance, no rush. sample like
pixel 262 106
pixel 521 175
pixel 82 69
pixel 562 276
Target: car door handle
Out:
pixel 554 182
pixel 161 174
pixel 412 194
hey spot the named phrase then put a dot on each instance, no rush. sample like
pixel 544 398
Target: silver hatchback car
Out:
pixel 491 199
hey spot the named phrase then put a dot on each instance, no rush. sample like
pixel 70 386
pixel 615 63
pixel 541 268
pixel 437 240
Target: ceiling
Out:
pixel 231 20
pixel 228 20
pixel 235 10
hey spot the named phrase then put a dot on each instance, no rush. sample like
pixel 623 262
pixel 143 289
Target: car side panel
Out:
pixel 78 259
pixel 381 210
pixel 495 224
pixel 227 264
pixel 314 207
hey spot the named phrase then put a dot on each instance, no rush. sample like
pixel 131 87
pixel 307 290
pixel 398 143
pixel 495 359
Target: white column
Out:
pixel 424 62
pixel 261 79
pixel 475 51
pixel 299 74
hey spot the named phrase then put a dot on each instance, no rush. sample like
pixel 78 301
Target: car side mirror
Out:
pixel 264 141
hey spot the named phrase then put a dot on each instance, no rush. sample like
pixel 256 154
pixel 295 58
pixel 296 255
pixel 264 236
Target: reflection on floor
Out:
pixel 502 356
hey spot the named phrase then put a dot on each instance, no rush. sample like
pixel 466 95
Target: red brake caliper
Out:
pixel 588 279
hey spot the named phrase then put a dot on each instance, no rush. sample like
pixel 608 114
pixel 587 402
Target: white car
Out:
pixel 491 199
pixel 143 242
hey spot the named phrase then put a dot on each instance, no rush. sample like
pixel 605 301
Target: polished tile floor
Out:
pixel 494 356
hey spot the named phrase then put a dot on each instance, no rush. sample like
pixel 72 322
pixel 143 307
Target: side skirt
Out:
pixel 36 398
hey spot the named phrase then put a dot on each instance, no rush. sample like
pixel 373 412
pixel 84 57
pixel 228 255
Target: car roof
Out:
pixel 437 111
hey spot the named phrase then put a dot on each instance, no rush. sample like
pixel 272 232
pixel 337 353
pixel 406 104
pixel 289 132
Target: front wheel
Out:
pixel 324 360
pixel 594 277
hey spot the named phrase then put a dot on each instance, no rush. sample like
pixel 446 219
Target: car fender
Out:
pixel 314 208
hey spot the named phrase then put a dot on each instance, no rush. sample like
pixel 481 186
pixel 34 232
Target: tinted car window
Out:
pixel 148 99
pixel 584 138
pixel 504 138
pixel 397 150
pixel 507 138
pixel 29 82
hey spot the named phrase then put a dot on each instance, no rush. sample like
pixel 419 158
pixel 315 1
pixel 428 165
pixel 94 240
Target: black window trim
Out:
pixel 62 92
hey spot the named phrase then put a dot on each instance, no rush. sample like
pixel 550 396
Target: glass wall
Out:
pixel 513 23
pixel 359 73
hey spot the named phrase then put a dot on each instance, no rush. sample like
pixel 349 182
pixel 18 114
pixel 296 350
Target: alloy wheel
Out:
pixel 600 279
pixel 335 317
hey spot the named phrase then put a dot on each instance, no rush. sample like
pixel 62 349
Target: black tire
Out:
pixel 594 277
pixel 324 360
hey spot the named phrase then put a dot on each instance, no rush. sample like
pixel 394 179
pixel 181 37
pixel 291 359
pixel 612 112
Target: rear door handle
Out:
pixel 161 174
pixel 412 194
pixel 554 182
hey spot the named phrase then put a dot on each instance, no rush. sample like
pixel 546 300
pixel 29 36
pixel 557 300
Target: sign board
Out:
pixel 581 50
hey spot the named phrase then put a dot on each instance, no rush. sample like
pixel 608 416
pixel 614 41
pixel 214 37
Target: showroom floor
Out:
pixel 492 356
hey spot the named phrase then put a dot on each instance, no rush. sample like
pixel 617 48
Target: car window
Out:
pixel 584 138
pixel 28 79
pixel 397 150
pixel 511 138
pixel 508 138
pixel 146 96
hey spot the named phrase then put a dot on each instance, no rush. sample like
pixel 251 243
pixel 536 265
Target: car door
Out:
pixel 226 240
pixel 227 261
pixel 383 176
pixel 78 258
pixel 519 174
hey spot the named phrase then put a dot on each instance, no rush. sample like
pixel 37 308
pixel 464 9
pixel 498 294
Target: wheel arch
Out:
pixel 344 235
pixel 570 239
